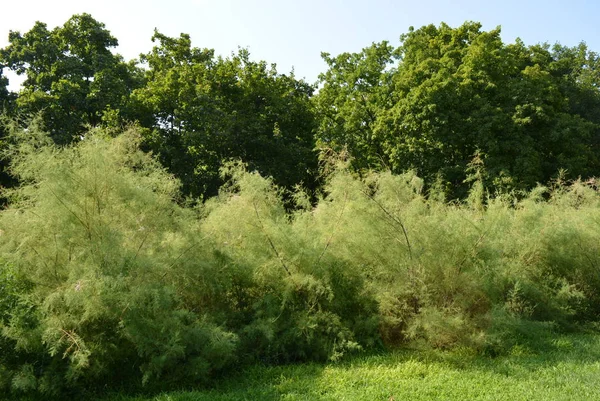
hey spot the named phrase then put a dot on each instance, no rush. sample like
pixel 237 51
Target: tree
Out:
pixel 72 77
pixel 457 93
pixel 206 110
pixel 356 89
pixel 4 93
pixel 462 92
pixel 7 100
pixel 95 271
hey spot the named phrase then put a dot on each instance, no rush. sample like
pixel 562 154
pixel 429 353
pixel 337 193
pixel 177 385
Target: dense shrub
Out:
pixel 107 279
pixel 95 229
pixel 306 302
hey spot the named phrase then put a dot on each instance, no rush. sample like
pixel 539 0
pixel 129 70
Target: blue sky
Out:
pixel 294 33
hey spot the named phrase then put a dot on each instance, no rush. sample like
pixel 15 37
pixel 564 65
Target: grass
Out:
pixel 568 368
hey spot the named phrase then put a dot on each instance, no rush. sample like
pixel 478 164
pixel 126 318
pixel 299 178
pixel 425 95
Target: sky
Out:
pixel 292 34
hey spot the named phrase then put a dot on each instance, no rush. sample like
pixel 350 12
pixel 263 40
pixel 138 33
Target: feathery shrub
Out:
pixel 107 279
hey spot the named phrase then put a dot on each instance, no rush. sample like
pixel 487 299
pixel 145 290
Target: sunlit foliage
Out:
pixel 106 278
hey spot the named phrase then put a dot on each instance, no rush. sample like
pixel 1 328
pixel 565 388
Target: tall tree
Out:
pixel 462 91
pixel 72 77
pixel 525 111
pixel 4 93
pixel 356 89
pixel 206 110
pixel 7 100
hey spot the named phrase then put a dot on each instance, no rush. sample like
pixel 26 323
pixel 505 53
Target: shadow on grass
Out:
pixel 540 353
pixel 323 381
pixel 266 383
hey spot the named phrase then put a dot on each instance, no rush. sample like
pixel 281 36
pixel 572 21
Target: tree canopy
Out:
pixel 4 94
pixel 72 77
pixel 205 110
pixel 444 100
pixel 447 95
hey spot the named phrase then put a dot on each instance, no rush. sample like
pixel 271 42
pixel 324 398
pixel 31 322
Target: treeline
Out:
pixel 197 110
pixel 443 98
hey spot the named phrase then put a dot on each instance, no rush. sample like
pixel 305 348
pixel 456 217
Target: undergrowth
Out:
pixel 108 280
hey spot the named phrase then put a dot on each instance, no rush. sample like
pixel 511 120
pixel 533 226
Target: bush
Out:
pixel 95 229
pixel 299 301
pixel 107 279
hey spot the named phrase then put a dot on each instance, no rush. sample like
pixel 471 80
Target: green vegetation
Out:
pixel 567 370
pixel 170 220
pixel 109 280
pixel 205 110
pixel 72 78
pixel 448 94
pixel 443 97
pixel 198 110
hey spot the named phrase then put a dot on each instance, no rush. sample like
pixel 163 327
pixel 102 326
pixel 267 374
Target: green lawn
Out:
pixel 568 369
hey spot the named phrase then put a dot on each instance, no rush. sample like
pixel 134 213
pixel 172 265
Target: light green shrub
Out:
pixel 96 230
pixel 108 279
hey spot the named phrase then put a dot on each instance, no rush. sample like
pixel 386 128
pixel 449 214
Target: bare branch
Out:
pixel 335 228
pixel 395 219
pixel 270 241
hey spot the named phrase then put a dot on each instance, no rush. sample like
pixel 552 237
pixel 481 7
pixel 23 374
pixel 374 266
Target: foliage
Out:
pixel 72 77
pixel 304 304
pixel 356 89
pixel 95 231
pixel 106 278
pixel 444 97
pixel 117 283
pixel 7 106
pixel 528 111
pixel 5 95
pixel 205 110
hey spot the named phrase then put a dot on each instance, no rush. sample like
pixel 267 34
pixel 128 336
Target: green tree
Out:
pixel 206 110
pixel 97 267
pixel 7 103
pixel 177 100
pixel 356 89
pixel 462 91
pixel 4 93
pixel 457 93
pixel 72 77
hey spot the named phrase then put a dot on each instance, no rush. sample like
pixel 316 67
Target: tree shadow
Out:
pixel 312 381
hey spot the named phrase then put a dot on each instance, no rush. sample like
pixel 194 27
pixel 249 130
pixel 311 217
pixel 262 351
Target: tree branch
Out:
pixel 270 241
